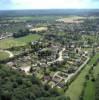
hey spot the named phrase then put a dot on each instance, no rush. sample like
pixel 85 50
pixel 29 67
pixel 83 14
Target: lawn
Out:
pixel 76 86
pixel 3 55
pixel 12 42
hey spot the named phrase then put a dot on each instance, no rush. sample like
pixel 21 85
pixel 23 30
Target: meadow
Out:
pixel 15 42
pixel 3 55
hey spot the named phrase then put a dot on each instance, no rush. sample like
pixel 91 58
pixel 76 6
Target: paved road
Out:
pixel 60 58
pixel 5 37
pixel 73 74
pixel 79 69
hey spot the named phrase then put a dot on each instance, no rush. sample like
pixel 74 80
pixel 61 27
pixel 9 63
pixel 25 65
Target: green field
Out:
pixel 90 88
pixel 76 86
pixel 30 18
pixel 3 55
pixel 12 42
pixel 89 91
pixel 96 71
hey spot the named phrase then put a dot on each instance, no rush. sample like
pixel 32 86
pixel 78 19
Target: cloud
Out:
pixel 48 3
pixel 44 4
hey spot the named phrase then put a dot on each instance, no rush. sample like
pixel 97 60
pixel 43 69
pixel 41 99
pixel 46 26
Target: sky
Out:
pixel 48 4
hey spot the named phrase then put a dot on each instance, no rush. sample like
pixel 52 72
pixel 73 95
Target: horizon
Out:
pixel 50 9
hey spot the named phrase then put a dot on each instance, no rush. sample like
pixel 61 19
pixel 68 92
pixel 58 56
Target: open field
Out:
pixel 72 19
pixel 3 55
pixel 89 91
pixel 14 42
pixel 29 18
pixel 90 88
pixel 76 86
pixel 39 29
pixel 96 71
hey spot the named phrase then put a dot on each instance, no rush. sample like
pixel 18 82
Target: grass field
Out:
pixel 12 42
pixel 3 55
pixel 90 88
pixel 96 71
pixel 89 91
pixel 76 86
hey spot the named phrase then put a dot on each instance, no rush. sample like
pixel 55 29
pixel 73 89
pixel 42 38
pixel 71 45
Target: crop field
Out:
pixel 14 42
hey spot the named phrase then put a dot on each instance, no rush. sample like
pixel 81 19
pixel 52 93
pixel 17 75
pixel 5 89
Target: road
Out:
pixel 60 58
pixel 5 37
pixel 70 76
pixel 79 69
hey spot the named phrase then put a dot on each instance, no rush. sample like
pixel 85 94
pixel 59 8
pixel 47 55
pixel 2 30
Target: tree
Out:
pixel 87 77
pixel 6 95
pixel 31 70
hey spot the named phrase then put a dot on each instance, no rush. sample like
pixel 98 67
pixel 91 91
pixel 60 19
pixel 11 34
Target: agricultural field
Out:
pixel 72 19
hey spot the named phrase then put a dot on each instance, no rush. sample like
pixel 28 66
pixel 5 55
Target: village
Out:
pixel 54 64
pixel 55 58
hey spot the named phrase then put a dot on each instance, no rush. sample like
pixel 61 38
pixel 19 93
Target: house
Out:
pixel 48 78
pixel 61 85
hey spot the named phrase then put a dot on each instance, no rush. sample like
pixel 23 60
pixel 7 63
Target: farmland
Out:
pixel 72 19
